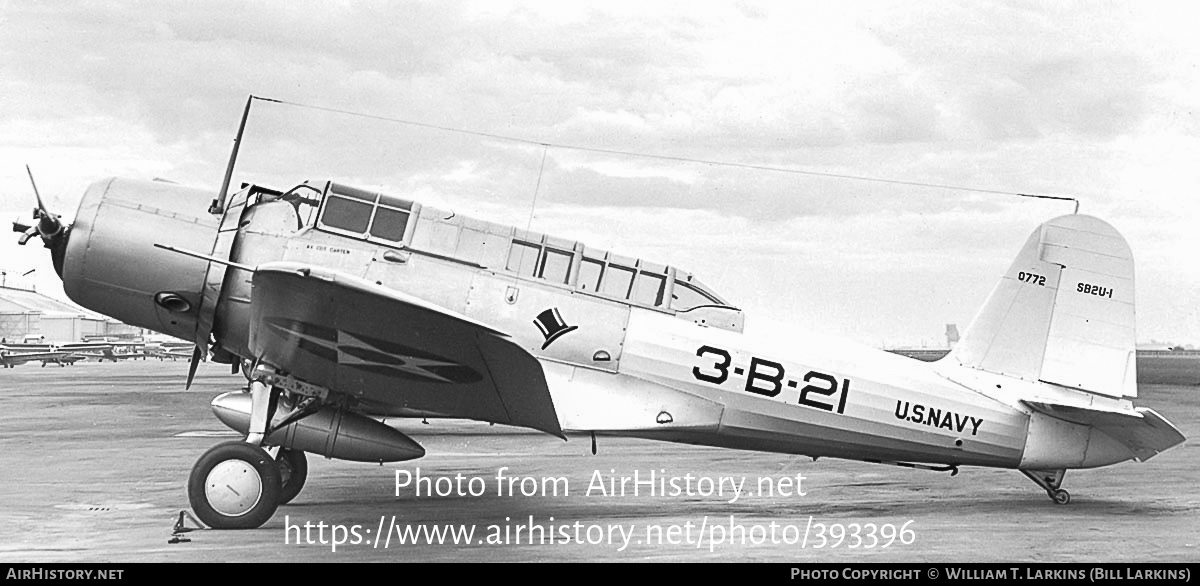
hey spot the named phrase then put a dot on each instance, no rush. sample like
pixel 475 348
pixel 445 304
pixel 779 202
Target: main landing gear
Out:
pixel 238 485
pixel 293 471
pixel 235 485
pixel 1050 480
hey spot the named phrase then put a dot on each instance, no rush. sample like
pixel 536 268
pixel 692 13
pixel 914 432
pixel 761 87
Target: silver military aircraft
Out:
pixel 15 355
pixel 343 306
pixel 170 350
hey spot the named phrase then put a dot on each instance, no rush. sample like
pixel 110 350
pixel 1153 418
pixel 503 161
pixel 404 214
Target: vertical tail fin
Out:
pixel 1063 313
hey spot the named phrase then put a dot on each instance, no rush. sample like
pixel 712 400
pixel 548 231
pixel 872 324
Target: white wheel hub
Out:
pixel 233 487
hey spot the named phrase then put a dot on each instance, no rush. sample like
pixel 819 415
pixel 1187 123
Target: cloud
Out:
pixel 1026 71
pixel 1060 99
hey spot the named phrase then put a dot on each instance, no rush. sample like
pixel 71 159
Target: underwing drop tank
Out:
pixel 330 432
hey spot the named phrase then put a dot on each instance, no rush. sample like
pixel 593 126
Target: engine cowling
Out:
pixel 111 265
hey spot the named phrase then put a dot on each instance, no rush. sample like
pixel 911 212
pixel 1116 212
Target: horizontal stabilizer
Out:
pixel 1143 431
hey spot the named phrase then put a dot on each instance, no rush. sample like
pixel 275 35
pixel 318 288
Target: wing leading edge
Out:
pixel 393 352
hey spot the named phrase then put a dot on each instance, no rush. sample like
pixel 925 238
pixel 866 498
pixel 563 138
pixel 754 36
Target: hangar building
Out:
pixel 29 316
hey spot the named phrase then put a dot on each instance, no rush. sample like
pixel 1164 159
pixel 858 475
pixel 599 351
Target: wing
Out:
pixel 395 353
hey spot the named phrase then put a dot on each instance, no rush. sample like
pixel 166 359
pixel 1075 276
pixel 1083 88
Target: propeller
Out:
pixel 197 356
pixel 47 225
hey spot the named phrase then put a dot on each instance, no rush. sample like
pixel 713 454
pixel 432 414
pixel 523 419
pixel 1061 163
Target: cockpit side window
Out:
pixel 649 290
pixel 556 266
pixel 686 297
pixel 363 214
pixel 523 258
pixel 389 224
pixel 353 192
pixel 347 214
pixel 617 281
pixel 590 271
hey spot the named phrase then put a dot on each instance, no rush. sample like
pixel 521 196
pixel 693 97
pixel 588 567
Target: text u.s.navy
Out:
pixel 350 312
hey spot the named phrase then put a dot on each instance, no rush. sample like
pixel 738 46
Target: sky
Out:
pixel 1096 101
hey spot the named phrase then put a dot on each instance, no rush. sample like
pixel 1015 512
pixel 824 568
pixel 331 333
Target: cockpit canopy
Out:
pixel 404 224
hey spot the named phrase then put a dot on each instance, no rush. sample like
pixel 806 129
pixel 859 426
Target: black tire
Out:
pixel 255 461
pixel 293 472
pixel 1061 497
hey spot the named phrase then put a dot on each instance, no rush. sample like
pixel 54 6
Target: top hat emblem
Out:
pixel 551 323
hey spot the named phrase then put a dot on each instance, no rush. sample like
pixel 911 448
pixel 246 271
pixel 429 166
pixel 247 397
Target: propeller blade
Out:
pixel 41 206
pixel 48 225
pixel 197 355
pixel 29 233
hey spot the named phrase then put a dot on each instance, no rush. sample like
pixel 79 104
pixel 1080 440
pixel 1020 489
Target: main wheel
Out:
pixel 293 471
pixel 234 485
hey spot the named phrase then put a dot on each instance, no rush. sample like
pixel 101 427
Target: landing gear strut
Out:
pixel 238 485
pixel 1050 480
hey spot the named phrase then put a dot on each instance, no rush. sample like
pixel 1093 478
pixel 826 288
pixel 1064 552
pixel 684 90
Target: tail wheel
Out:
pixel 1061 497
pixel 293 472
pixel 234 485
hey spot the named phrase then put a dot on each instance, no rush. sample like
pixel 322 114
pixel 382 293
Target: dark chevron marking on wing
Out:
pixel 370 354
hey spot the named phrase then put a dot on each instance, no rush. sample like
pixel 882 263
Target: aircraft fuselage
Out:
pixel 687 376
pixel 627 346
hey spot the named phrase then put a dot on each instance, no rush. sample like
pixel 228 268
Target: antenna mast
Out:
pixel 218 203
